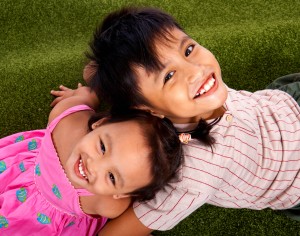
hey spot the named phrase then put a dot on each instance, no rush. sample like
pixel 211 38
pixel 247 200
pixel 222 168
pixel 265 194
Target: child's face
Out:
pixel 110 160
pixel 190 85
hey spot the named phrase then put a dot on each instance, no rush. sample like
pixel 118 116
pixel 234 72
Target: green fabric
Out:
pixel 293 213
pixel 289 83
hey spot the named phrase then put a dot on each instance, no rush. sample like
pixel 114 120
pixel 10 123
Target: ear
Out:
pixel 118 196
pixel 89 71
pixel 98 123
pixel 148 109
pixel 156 114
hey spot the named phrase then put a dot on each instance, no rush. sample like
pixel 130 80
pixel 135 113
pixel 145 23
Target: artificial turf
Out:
pixel 42 45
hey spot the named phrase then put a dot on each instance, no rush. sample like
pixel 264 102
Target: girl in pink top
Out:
pixel 242 148
pixel 83 168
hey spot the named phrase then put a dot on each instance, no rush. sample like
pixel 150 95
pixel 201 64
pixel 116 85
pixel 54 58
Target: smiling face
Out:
pixel 113 159
pixel 189 86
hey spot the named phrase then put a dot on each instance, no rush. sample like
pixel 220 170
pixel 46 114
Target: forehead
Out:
pixel 129 128
pixel 130 152
pixel 127 135
pixel 167 46
pixel 173 39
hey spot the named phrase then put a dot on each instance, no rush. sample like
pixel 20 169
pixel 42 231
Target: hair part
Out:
pixel 165 154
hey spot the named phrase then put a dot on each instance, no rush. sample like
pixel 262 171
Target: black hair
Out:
pixel 165 155
pixel 125 39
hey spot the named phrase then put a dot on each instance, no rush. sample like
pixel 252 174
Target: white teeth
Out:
pixel 202 91
pixel 81 169
pixel 207 87
pixel 209 84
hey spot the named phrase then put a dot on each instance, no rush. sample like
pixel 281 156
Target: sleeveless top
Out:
pixel 36 196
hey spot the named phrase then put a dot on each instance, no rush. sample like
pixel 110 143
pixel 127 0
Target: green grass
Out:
pixel 42 45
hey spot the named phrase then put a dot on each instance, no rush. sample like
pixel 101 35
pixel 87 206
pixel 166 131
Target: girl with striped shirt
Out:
pixel 242 149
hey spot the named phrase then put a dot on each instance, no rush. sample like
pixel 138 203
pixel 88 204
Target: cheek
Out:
pixel 177 95
pixel 90 143
pixel 84 141
pixel 151 93
pixel 218 98
pixel 100 185
pixel 208 58
pixel 223 93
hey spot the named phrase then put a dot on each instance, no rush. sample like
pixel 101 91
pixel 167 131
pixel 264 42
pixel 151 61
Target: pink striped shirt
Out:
pixel 255 162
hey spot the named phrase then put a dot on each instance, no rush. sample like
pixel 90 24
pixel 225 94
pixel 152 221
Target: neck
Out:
pixel 208 116
pixel 215 114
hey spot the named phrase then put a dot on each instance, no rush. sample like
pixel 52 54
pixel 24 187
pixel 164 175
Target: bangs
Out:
pixel 161 37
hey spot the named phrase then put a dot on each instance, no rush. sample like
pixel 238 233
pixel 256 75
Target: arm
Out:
pixel 126 225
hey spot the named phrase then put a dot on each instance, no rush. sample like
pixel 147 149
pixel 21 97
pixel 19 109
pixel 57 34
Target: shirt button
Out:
pixel 229 118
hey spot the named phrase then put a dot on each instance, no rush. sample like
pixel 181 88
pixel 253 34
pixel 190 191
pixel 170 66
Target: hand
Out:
pixel 62 94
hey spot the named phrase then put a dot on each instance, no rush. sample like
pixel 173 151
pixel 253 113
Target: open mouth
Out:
pixel 81 169
pixel 206 86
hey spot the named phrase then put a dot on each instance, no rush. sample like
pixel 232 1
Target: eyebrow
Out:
pixel 116 172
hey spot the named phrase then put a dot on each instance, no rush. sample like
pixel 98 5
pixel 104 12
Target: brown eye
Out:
pixel 112 178
pixel 189 50
pixel 102 147
pixel 169 76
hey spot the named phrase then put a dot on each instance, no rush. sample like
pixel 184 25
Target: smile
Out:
pixel 206 87
pixel 81 169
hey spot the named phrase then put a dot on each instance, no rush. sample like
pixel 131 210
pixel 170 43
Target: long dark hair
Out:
pixel 126 38
pixel 165 155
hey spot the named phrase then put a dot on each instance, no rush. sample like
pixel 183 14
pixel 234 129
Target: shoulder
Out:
pixel 82 95
pixel 63 106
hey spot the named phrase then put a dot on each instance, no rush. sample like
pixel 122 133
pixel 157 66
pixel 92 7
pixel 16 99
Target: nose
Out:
pixel 194 72
pixel 92 165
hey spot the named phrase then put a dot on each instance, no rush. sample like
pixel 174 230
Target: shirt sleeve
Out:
pixel 169 207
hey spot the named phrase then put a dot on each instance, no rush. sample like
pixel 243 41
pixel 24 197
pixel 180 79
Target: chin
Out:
pixel 70 173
